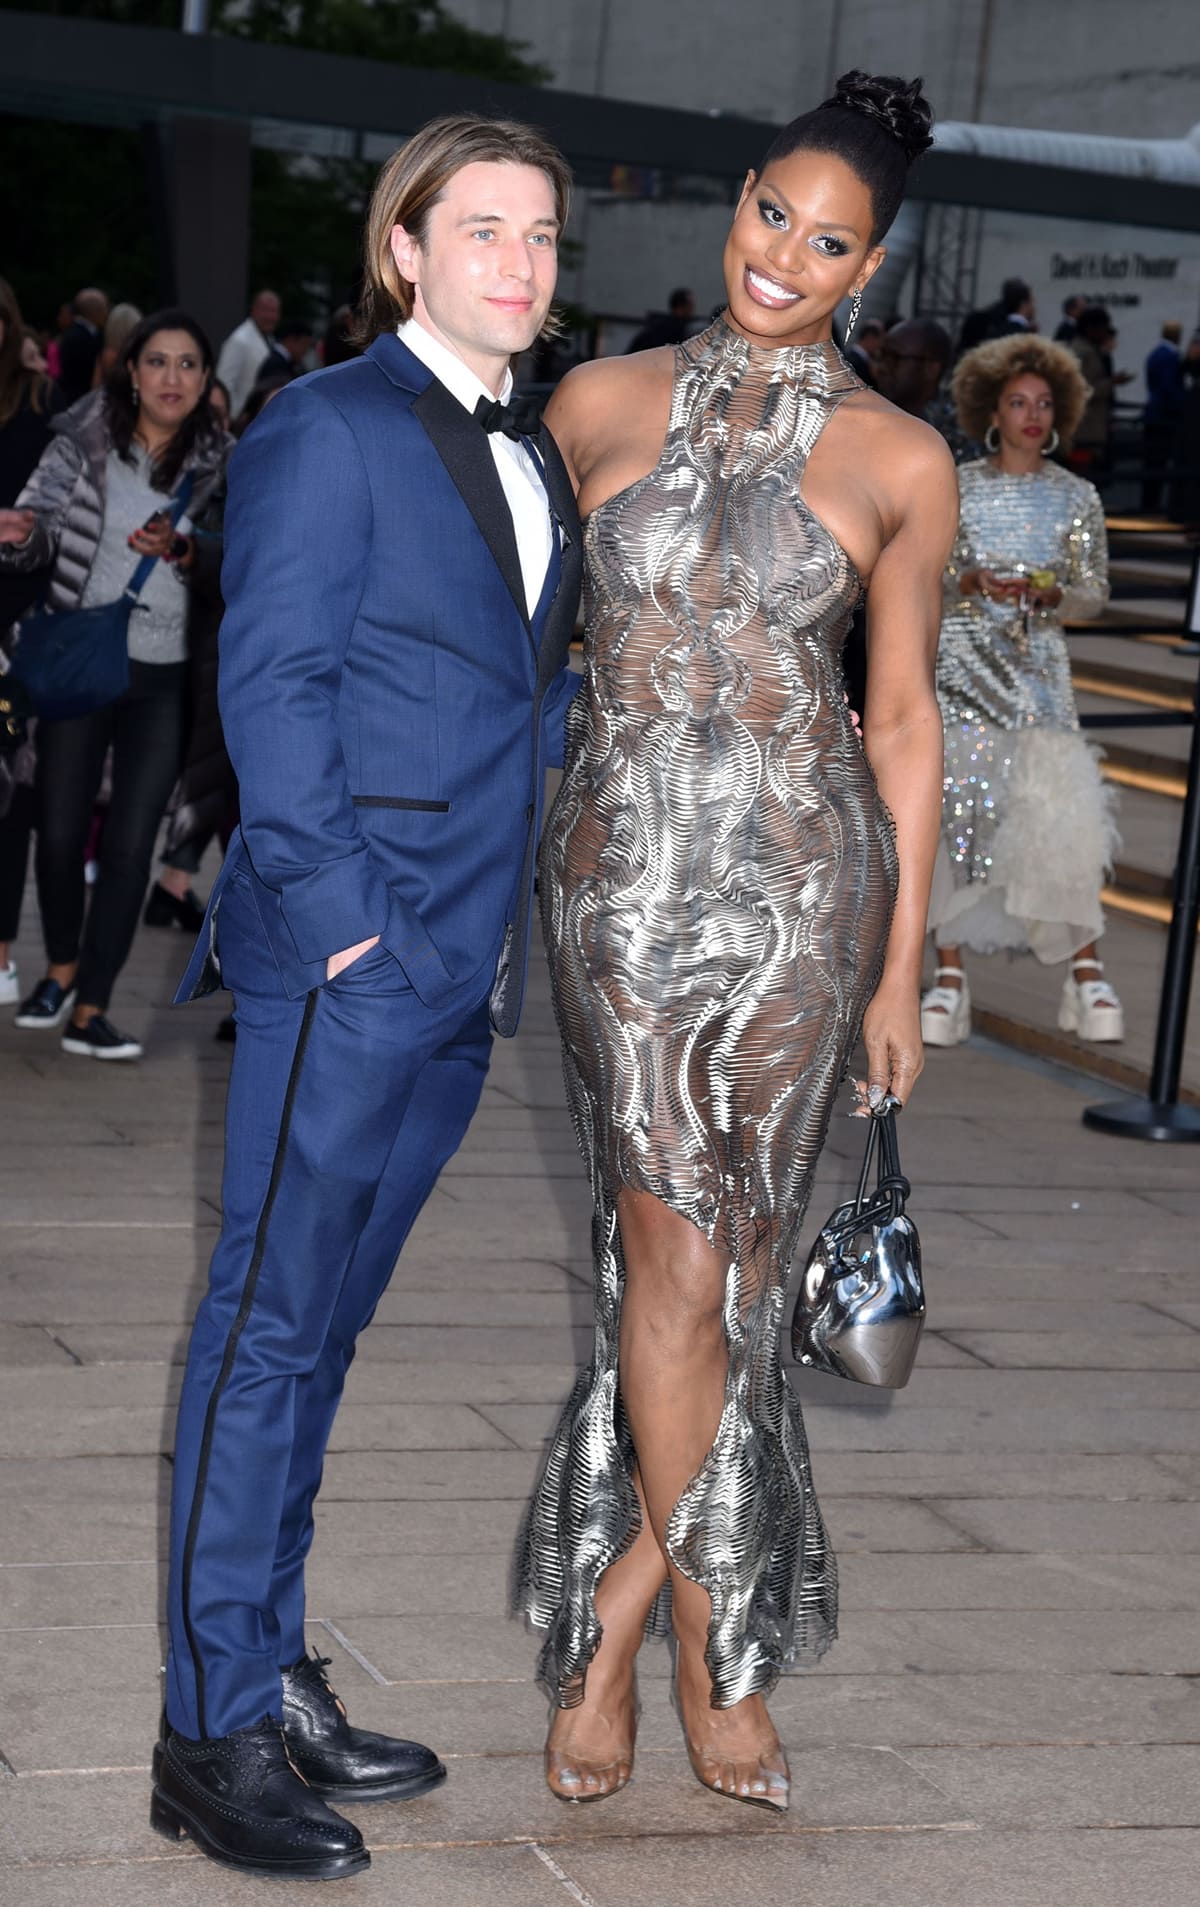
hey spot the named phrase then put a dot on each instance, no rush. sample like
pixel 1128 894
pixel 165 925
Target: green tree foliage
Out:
pixel 408 32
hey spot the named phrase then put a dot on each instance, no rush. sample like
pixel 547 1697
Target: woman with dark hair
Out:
pixel 28 404
pixel 732 886
pixel 221 404
pixel 98 501
pixel 1027 827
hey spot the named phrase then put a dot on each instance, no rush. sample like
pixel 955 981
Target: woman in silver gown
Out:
pixel 1027 823
pixel 725 896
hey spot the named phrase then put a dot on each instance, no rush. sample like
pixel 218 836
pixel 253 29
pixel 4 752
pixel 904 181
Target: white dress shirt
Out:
pixel 241 360
pixel 524 491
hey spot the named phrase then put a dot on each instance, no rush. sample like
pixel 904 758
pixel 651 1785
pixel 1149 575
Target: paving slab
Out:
pixel 1130 1529
pixel 1085 1351
pixel 22 1345
pixel 1049 1641
pixel 1016 1531
pixel 120 1531
pixel 1133 1785
pixel 1006 1474
pixel 1073 1580
pixel 901 1870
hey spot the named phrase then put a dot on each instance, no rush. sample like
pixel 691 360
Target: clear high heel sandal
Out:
pixel 568 1775
pixel 765 1782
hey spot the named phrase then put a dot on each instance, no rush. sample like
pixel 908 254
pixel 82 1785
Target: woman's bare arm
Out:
pixel 902 734
pixel 609 419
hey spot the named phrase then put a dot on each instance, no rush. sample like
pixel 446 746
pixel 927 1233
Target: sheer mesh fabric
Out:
pixel 717 878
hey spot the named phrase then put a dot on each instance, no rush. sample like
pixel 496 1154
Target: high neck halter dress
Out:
pixel 717 880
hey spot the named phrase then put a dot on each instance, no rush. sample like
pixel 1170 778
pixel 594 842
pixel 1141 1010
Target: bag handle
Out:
pixel 891 1186
pixel 141 575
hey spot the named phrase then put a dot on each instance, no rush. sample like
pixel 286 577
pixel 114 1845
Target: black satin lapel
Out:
pixel 463 448
pixel 558 486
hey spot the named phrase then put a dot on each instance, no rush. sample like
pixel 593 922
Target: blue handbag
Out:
pixel 75 661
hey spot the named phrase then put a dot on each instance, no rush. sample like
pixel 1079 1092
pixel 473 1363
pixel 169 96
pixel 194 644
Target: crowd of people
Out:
pixel 738 874
pixel 104 427
pixel 103 422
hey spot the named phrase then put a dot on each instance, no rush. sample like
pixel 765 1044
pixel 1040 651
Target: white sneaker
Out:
pixel 10 986
pixel 1090 1008
pixel 946 1011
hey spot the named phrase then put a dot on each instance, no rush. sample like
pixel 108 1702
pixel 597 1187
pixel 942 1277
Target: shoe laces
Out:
pixel 312 1668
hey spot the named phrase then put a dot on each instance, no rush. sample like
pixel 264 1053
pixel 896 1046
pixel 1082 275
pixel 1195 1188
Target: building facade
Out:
pixel 1088 66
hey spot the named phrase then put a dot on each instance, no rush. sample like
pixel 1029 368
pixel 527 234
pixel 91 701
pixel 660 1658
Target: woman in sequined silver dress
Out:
pixel 1027 830
pixel 725 897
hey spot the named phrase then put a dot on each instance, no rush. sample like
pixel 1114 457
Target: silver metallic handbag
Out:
pixel 862 1304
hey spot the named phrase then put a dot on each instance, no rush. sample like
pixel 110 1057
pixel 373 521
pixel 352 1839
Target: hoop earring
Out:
pixel 1052 446
pixel 988 434
pixel 855 310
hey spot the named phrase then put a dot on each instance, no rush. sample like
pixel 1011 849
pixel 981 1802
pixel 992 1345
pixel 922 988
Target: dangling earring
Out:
pixel 137 397
pixel 1052 446
pixel 988 434
pixel 855 309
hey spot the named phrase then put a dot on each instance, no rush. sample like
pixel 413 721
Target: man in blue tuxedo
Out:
pixel 401 576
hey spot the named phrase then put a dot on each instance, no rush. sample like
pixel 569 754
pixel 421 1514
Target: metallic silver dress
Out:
pixel 717 880
pixel 1027 825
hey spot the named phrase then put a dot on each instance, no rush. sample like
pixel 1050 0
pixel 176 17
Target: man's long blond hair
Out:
pixel 412 182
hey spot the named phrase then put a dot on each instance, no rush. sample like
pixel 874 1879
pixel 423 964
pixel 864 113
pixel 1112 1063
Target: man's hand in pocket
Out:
pixel 338 962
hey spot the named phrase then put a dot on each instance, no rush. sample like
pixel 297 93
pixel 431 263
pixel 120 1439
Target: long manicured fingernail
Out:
pixel 875 1097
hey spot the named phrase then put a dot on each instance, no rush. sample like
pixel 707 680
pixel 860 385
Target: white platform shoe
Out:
pixel 1090 1008
pixel 946 1011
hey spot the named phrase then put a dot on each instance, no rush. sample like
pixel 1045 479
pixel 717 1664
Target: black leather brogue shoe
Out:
pixel 339 1761
pixel 241 1801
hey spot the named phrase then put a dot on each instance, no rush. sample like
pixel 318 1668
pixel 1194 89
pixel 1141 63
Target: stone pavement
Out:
pixel 1011 1718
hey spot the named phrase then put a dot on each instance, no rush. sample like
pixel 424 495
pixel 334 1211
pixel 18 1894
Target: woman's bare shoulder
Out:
pixel 904 439
pixel 603 381
pixel 595 401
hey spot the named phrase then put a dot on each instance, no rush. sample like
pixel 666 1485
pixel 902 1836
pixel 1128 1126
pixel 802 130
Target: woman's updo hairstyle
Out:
pixel 877 124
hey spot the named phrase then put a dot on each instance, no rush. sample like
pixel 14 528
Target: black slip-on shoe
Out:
pixel 99 1039
pixel 241 1801
pixel 342 1762
pixel 48 1005
pixel 164 909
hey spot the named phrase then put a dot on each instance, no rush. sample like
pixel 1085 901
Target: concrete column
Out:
pixel 207 179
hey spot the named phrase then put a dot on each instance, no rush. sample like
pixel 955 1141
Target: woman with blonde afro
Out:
pixel 1027 828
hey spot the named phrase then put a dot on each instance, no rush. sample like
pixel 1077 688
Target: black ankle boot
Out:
pixel 241 1801
pixel 341 1762
pixel 164 909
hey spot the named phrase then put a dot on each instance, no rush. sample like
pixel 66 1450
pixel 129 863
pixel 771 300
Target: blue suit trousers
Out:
pixel 343 1108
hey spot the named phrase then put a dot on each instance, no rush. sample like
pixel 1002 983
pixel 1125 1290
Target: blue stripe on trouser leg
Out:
pixel 441 1108
pixel 368 1040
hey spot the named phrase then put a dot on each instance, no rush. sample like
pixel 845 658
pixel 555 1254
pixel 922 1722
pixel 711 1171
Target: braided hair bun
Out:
pixel 898 105
pixel 876 124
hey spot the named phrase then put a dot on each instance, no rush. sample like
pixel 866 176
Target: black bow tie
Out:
pixel 518 419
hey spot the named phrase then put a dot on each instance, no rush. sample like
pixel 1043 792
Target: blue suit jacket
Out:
pixel 388 706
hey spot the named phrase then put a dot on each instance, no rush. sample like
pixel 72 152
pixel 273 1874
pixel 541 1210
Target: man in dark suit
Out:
pixel 291 345
pixel 81 343
pixel 1068 324
pixel 1013 311
pixel 1164 409
pixel 671 326
pixel 402 567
